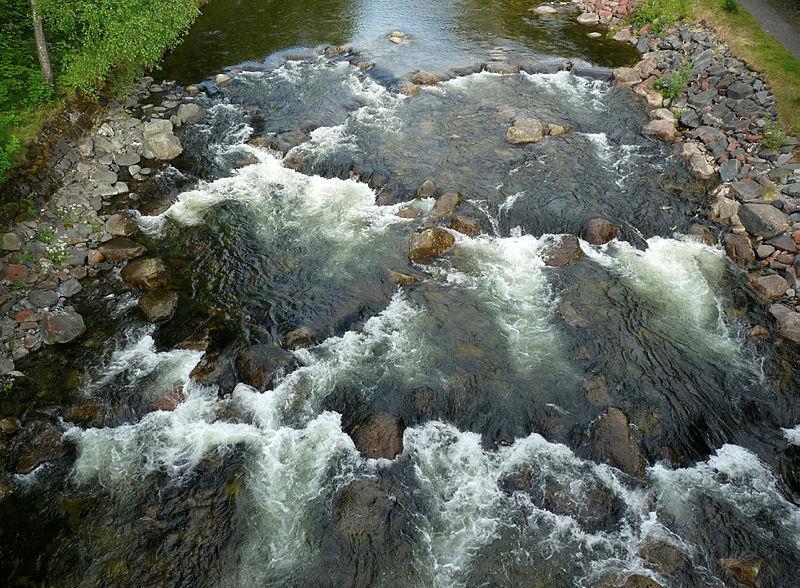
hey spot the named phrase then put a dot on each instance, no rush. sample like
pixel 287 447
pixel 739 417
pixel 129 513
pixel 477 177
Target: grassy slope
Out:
pixel 761 51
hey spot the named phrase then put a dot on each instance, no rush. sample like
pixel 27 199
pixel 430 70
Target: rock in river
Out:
pixel 612 440
pixel 599 231
pixel 159 142
pixel 380 437
pixel 525 130
pixel 662 130
pixel 430 243
pixel 788 322
pixel 121 248
pixel 61 326
pixel 145 273
pixel 565 252
pixel 159 305
pixel 260 365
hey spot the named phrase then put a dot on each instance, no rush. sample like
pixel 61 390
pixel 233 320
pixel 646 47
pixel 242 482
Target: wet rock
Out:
pixel 445 205
pixel 763 220
pixel 599 231
pixel 10 242
pixel 10 425
pixel 379 438
pixel 158 305
pixel 365 512
pixel 189 113
pixel 770 287
pixel 745 571
pixel 465 225
pixel 555 130
pixel 216 369
pixel 430 243
pixel 428 78
pixel 401 279
pixel 564 252
pixel 499 67
pixel 612 440
pixel 120 249
pixel 260 366
pixel 169 400
pixel 739 249
pixel 145 273
pixel 427 189
pixel 703 233
pixel 408 88
pixel 597 390
pixel 627 581
pixel 159 142
pixel 300 337
pixel 85 414
pixel 545 10
pixel 42 444
pixel 589 19
pixel 525 131
pixel 663 130
pixel 665 558
pixel 61 326
pixel 121 225
pixel 221 78
pixel 788 322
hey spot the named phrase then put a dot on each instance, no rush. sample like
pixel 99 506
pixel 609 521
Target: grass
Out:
pixel 762 52
pixel 673 85
pixel 660 14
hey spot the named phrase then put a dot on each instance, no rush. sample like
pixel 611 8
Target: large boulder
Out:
pixel 599 231
pixel 61 326
pixel 189 113
pixel 159 305
pixel 145 273
pixel 260 365
pixel 42 443
pixel 770 287
pixel 763 220
pixel 626 76
pixel 366 513
pixel 466 225
pixel 612 441
pixel 445 205
pixel 380 437
pixel 430 243
pixel 663 130
pixel 120 249
pixel 159 142
pixel 564 252
pixel 788 322
pixel 121 225
pixel 739 249
pixel 525 130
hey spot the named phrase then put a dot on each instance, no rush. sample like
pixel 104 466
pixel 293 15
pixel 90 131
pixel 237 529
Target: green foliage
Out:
pixel 46 236
pixel 660 14
pixel 773 134
pixel 673 85
pixel 731 6
pixel 92 43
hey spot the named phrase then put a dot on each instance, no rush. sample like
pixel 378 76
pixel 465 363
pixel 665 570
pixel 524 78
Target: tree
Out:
pixel 41 46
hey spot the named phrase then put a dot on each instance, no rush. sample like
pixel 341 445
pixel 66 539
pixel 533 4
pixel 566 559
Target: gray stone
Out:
pixel 104 176
pixel 127 159
pixel 6 365
pixel 770 287
pixel 145 273
pixel 159 142
pixel 788 322
pixel 43 298
pixel 746 190
pixel 589 19
pixel 728 170
pixel 784 243
pixel 121 248
pixel 189 113
pixel 701 168
pixel 763 220
pixel 791 189
pixel 69 288
pixel 689 118
pixel 62 326
pixel 739 90
pixel 764 251
pixel 121 225
pixel 10 242
pixel 703 98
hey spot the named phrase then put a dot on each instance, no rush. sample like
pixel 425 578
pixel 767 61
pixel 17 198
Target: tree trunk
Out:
pixel 41 46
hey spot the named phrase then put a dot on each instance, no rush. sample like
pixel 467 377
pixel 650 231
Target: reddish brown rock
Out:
pixel 61 326
pixel 769 287
pixel 169 400
pixel 445 205
pixel 744 570
pixel 16 272
pixel 739 249
pixel 120 249
pixel 380 437
pixel 599 231
pixel 465 225
pixel 145 273
pixel 430 243
pixel 612 440
pixel 565 252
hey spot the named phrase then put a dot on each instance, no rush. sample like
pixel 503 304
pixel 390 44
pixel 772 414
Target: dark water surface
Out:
pixel 497 366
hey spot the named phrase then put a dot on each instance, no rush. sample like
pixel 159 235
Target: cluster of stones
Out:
pixel 47 262
pixel 605 11
pixel 718 125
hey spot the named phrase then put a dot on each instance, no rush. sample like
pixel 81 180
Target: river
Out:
pixel 501 371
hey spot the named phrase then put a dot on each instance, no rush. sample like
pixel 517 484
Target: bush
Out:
pixel 660 14
pixel 773 134
pixel 731 6
pixel 674 85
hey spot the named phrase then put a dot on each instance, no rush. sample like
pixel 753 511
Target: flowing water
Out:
pixel 497 366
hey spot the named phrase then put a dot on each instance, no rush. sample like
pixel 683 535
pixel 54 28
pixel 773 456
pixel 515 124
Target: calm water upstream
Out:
pixel 498 368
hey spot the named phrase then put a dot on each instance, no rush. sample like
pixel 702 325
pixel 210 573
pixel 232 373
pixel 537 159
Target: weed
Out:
pixel 25 256
pixel 731 6
pixel 57 255
pixel 46 236
pixel 660 14
pixel 674 85
pixel 31 211
pixel 773 134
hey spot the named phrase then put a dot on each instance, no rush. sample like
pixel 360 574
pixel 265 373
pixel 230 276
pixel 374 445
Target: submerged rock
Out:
pixel 145 273
pixel 169 400
pixel 380 437
pixel 61 326
pixel 599 231
pixel 564 252
pixel 159 305
pixel 42 443
pixel 466 225
pixel 365 513
pixel 628 581
pixel 430 243
pixel 525 131
pixel 664 558
pixel 612 440
pixel 260 365
pixel 300 337
pixel 745 571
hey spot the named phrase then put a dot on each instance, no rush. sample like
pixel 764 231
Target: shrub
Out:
pixel 660 14
pixel 731 6
pixel 773 134
pixel 673 85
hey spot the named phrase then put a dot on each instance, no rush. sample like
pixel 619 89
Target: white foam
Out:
pixel 579 91
pixel 792 435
